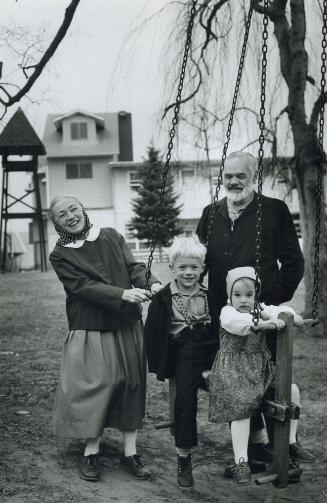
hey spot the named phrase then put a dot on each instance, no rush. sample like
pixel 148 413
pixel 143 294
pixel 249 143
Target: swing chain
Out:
pixel 230 121
pixel 155 224
pixel 315 294
pixel 256 310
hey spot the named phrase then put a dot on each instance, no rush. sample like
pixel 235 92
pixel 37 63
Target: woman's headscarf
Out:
pixel 235 274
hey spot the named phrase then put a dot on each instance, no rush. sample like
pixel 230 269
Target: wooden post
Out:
pixel 284 356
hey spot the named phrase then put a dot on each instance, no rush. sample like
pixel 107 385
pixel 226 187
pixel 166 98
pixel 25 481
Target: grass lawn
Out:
pixel 35 468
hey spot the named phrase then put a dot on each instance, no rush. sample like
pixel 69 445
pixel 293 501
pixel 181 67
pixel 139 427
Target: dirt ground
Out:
pixel 34 468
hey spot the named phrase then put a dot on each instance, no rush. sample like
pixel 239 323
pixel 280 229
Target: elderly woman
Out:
pixel 102 378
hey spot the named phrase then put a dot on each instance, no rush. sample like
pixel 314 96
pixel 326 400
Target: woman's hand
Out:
pixel 156 287
pixel 136 295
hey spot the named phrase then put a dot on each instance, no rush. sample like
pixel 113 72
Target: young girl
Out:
pixel 243 370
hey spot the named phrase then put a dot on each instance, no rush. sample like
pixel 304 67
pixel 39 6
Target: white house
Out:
pixel 80 147
pixel 195 183
pixel 90 155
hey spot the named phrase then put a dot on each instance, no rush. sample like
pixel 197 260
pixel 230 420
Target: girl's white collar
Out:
pixel 92 236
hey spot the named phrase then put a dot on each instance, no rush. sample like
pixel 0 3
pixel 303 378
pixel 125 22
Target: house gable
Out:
pixel 80 134
pixel 79 113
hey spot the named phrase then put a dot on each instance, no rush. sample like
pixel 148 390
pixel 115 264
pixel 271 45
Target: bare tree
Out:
pixel 10 92
pixel 293 94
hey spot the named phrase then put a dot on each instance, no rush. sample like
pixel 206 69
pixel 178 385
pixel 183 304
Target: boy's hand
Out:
pixel 298 320
pixel 156 287
pixel 136 295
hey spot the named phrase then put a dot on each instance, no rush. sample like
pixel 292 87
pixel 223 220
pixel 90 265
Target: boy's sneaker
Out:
pixel 242 474
pixel 260 453
pixel 184 471
pixel 298 453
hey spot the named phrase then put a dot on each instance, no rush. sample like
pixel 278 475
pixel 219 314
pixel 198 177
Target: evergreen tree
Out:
pixel 147 220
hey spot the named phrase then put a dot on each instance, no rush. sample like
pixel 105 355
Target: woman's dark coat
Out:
pixel 94 277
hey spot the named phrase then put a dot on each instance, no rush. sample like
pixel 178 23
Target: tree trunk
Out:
pixel 290 33
pixel 306 168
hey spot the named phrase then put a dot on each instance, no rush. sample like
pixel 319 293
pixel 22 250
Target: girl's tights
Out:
pixel 240 430
pixel 129 440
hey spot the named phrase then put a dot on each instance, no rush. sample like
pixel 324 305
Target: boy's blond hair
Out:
pixel 187 247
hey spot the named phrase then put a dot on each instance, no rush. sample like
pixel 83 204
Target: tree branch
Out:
pixel 38 68
pixel 316 110
pixel 277 14
pixel 190 96
pixel 277 6
pixel 311 80
pixel 282 33
pixel 257 7
pixel 299 67
pixel 208 27
pixel 283 111
pixel 6 93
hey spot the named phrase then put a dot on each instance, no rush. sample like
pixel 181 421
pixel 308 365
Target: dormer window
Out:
pixel 78 130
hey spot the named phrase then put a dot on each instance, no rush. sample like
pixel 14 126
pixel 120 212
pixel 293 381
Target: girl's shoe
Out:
pixel 298 453
pixel 242 474
pixel 260 453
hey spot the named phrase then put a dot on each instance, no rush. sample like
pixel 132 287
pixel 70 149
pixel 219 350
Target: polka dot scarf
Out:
pixel 68 237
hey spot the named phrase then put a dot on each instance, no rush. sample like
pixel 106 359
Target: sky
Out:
pixel 110 60
pixel 113 59
pixel 102 65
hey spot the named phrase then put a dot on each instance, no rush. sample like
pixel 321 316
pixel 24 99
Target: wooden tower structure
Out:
pixel 19 139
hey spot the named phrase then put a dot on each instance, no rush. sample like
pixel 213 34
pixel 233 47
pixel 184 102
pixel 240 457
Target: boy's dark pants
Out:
pixel 194 351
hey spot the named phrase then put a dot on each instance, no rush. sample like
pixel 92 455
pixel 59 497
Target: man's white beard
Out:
pixel 237 197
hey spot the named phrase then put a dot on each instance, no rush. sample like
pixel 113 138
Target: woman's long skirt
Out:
pixel 102 382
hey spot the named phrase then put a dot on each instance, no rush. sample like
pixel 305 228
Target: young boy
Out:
pixel 180 343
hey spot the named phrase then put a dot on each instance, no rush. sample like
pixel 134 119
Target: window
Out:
pixel 78 130
pixel 187 175
pixel 134 180
pixel 78 170
pixel 188 178
pixel 129 232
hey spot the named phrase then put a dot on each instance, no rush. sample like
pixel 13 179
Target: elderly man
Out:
pixel 233 237
pixel 232 243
